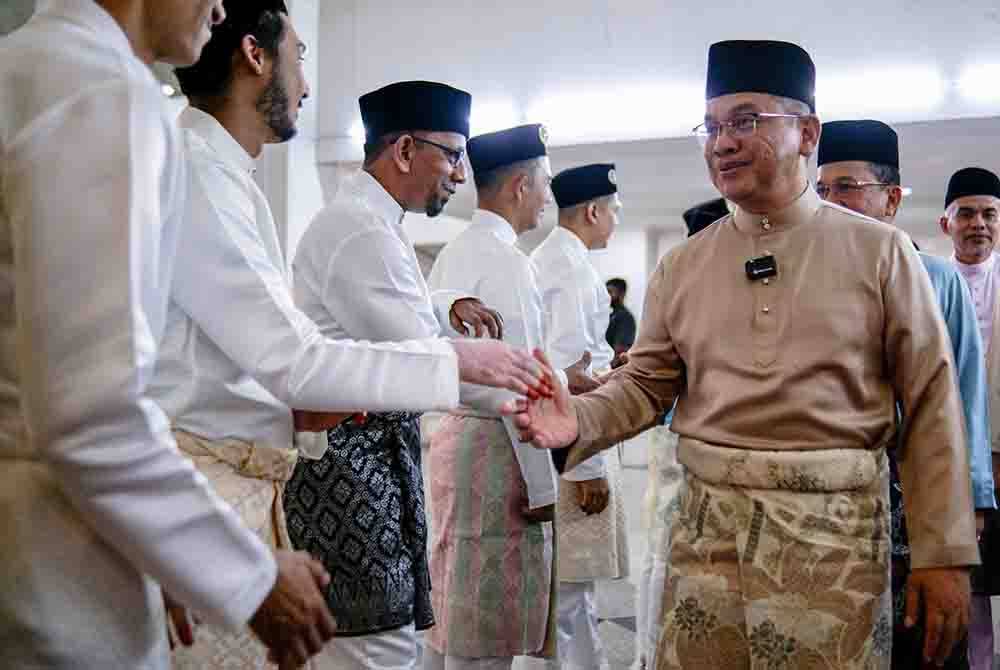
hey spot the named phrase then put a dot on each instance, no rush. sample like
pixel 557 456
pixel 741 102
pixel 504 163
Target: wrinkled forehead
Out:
pixel 726 106
pixel 974 203
pixel 845 171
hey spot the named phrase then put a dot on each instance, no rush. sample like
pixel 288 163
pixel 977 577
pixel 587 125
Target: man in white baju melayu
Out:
pixel 360 508
pixel 238 356
pixel 590 516
pixel 97 507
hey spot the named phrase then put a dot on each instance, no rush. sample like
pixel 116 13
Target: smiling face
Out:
pixel 762 168
pixel 438 177
pixel 971 223
pixel 854 185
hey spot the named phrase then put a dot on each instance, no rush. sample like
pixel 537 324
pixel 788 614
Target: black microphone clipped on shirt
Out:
pixel 761 267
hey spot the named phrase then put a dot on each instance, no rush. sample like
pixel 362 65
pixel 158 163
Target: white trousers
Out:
pixel 392 650
pixel 578 642
pixel 643 632
pixel 436 661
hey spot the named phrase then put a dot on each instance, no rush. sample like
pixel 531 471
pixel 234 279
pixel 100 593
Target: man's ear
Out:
pixel 251 54
pixel 403 151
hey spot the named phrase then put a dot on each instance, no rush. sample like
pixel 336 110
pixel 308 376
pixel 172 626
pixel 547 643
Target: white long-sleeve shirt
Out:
pixel 483 261
pixel 238 352
pixel 357 274
pixel 578 309
pixel 91 195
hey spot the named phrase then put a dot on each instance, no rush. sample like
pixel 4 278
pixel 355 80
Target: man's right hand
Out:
pixel 578 376
pixel 493 363
pixel 548 423
pixel 294 621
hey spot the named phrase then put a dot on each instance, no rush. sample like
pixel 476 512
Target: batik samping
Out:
pixel 766 576
pixel 360 511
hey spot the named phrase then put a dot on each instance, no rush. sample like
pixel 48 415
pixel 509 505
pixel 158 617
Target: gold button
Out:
pixel 765 309
pixel 767 280
pixel 766 225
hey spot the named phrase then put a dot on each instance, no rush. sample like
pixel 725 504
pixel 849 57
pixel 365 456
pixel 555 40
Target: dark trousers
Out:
pixel 908 651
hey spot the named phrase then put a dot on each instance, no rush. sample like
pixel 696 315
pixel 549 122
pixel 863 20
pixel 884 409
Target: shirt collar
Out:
pixel 94 18
pixel 495 224
pixel 572 244
pixel 801 209
pixel 216 136
pixel 977 270
pixel 380 199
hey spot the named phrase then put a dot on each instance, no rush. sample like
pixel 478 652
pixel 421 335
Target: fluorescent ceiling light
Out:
pixel 619 113
pixel 980 83
pixel 892 90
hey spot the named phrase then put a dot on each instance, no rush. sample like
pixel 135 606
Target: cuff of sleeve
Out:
pixel 592 468
pixel 241 609
pixel 445 385
pixel 541 500
pixel 982 496
pixel 311 445
pixel 944 556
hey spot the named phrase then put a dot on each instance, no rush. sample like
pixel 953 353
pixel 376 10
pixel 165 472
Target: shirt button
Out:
pixel 765 309
pixel 767 280
pixel 766 225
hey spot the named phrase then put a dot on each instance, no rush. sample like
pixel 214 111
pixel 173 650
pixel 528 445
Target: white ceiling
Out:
pixel 606 53
pixel 523 52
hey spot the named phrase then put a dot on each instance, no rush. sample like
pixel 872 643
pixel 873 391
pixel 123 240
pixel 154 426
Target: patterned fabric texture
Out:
pixel 594 546
pixel 492 569
pixel 251 479
pixel 765 578
pixel 360 511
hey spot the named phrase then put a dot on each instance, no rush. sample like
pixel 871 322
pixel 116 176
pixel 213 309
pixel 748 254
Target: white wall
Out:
pixel 288 173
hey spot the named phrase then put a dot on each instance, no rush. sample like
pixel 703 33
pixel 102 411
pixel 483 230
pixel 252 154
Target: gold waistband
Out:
pixel 819 471
pixel 248 459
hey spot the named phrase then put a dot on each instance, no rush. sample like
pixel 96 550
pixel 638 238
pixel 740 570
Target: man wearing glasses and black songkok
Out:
pixel 787 332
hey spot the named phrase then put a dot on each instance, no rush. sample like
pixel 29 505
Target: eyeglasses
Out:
pixel 454 156
pixel 845 188
pixel 739 127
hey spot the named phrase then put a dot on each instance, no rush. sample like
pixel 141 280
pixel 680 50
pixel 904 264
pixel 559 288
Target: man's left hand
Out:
pixel 592 495
pixel 481 318
pixel 945 593
pixel 183 625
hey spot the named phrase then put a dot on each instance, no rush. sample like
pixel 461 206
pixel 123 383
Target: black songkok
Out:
pixel 505 147
pixel 869 141
pixel 703 215
pixel 587 182
pixel 761 66
pixel 415 105
pixel 971 181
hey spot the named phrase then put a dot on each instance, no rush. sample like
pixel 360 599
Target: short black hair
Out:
pixel 211 76
pixel 887 174
pixel 374 150
pixel 491 179
pixel 618 283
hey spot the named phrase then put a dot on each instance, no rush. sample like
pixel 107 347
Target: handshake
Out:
pixel 293 622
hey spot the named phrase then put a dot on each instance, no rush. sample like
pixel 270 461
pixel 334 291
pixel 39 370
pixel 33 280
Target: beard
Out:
pixel 435 205
pixel 274 106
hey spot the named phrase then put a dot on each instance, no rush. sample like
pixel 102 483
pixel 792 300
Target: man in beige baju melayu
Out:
pixel 787 332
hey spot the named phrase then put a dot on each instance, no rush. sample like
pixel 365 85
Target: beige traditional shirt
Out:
pixel 812 359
